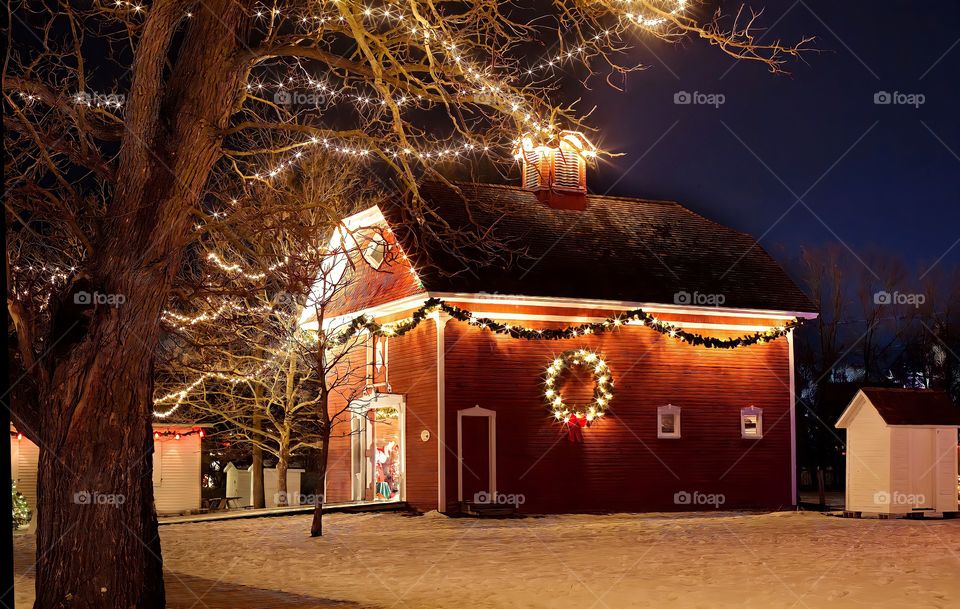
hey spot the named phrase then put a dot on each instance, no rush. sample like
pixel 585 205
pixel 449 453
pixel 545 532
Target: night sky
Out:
pixel 895 190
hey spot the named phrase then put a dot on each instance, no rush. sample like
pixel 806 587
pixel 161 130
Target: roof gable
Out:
pixel 904 407
pixel 362 284
pixel 618 249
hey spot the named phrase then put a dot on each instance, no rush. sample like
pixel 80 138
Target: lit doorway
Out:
pixel 378 449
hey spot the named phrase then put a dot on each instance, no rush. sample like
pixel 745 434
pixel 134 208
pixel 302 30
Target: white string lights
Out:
pixel 218 261
pixel 178 397
pixel 671 7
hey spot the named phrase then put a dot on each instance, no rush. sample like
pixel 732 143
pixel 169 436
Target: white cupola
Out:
pixel 556 165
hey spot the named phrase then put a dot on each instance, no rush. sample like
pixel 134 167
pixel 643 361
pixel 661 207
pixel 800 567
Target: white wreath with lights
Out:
pixel 602 390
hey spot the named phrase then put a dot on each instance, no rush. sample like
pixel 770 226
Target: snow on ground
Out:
pixel 662 561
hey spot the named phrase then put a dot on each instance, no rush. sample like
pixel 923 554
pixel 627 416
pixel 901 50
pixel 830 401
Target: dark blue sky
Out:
pixel 898 189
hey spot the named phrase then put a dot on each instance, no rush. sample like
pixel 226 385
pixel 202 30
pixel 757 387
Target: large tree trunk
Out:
pixel 97 542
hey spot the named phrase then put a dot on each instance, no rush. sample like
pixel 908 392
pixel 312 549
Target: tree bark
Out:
pixel 97 540
pixel 316 525
pixel 259 500
pixel 282 465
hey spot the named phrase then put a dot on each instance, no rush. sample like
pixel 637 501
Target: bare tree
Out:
pixel 878 325
pixel 131 127
pixel 239 353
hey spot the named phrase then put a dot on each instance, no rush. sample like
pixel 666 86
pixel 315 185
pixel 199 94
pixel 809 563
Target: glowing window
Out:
pixel 376 250
pixel 668 421
pixel 751 422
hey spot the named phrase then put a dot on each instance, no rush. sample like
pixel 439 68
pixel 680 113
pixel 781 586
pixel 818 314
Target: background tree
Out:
pixel 240 354
pixel 880 324
pixel 129 124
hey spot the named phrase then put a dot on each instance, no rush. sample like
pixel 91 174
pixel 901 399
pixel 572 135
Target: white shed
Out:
pixel 901 451
pixel 240 484
pixel 176 468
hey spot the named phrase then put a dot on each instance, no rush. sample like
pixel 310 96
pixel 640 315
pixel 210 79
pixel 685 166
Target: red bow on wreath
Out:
pixel 575 428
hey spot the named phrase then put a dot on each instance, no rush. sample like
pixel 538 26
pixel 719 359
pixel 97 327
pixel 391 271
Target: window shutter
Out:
pixel 532 177
pixel 568 169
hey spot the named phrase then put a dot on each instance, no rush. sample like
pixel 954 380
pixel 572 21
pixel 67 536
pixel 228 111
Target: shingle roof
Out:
pixel 616 249
pixel 913 406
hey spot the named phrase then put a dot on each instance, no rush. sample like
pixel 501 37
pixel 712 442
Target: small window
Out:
pixel 668 421
pixel 751 422
pixel 376 250
pixel 377 361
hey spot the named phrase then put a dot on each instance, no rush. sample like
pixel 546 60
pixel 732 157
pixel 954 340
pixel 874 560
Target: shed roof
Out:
pixel 617 248
pixel 909 407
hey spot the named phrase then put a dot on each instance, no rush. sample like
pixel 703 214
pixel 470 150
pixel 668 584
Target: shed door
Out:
pixel 946 470
pixel 923 465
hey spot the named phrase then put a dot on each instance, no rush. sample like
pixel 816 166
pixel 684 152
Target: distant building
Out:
pixel 176 468
pixel 902 451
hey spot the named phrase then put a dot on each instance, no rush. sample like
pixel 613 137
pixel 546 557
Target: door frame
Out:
pixel 491 415
pixel 359 408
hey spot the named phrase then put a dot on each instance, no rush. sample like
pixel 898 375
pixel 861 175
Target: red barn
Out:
pixel 596 369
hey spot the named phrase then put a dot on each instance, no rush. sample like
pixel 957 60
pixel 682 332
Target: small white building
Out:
pixel 240 484
pixel 176 468
pixel 177 456
pixel 901 451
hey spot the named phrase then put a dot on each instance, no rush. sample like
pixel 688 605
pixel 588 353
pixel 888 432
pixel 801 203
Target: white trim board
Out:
pixel 412 302
pixel 583 303
pixel 793 419
pixel 441 320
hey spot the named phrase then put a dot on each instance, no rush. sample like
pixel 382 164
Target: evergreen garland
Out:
pixel 636 317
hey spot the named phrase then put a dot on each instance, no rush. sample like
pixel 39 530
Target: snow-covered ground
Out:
pixel 618 561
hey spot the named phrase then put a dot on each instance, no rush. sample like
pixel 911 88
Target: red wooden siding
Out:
pixel 413 373
pixel 622 465
pixel 338 462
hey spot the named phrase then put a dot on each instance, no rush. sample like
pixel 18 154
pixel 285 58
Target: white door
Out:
pixel 922 468
pixel 946 470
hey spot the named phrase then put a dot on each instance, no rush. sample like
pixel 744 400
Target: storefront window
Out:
pixel 377 438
